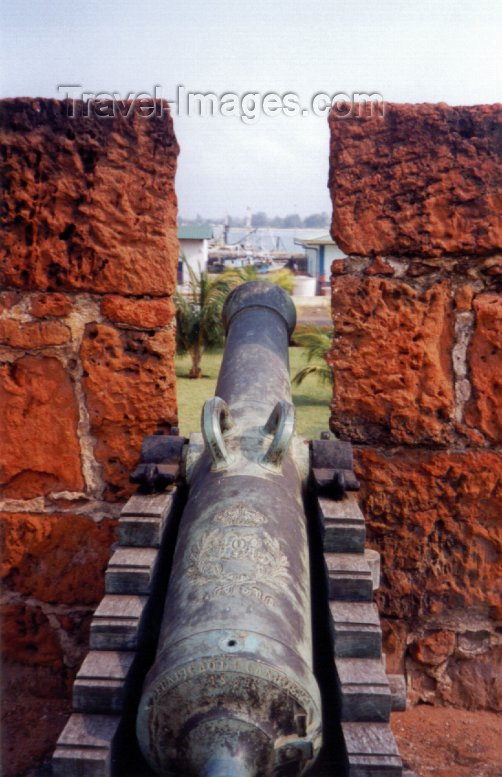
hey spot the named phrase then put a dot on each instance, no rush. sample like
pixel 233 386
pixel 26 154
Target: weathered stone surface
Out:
pixel 35 708
pixel 38 420
pixel 8 299
pixel 435 518
pixel 33 334
pixel 89 217
pixel 391 360
pixel 55 558
pixel 463 297
pixel 476 682
pixel 417 361
pixel 56 305
pixel 485 363
pixel 421 181
pixel 129 385
pixel 105 215
pixel 130 389
pixel 143 313
pixel 395 634
pixel 45 636
pixel 28 637
pixel 472 682
pixel 338 266
pixel 379 267
pixel 434 648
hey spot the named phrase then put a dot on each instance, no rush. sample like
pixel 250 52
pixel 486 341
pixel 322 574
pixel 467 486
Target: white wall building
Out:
pixel 320 253
pixel 194 245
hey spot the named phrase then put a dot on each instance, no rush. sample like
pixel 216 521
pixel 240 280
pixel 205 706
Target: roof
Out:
pixel 195 232
pixel 324 239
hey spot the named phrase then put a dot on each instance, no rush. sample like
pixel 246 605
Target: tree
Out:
pixel 316 220
pixel 282 277
pixel 198 313
pixel 292 221
pixel 198 316
pixel 317 342
pixel 259 219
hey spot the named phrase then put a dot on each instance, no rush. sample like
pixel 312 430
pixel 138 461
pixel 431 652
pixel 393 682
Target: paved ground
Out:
pixel 446 742
pixel 313 310
pixel 433 741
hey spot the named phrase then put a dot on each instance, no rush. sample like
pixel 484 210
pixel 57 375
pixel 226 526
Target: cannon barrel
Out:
pixel 231 692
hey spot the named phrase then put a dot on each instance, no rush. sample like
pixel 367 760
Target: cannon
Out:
pixel 232 692
pixel 237 636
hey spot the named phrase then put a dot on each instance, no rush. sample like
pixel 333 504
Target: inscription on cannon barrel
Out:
pixel 240 562
pixel 246 667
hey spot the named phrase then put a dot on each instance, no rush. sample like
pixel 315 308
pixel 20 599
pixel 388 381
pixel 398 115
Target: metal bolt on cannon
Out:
pixel 231 692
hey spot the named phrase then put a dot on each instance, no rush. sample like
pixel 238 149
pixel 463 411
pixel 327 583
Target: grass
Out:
pixel 311 399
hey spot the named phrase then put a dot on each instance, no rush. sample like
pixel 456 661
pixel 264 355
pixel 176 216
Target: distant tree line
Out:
pixel 291 221
pixel 260 219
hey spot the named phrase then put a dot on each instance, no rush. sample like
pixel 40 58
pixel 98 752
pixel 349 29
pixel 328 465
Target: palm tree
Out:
pixel 198 316
pixel 282 277
pixel 317 342
pixel 198 313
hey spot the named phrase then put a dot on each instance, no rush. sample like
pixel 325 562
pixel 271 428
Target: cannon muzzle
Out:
pixel 231 692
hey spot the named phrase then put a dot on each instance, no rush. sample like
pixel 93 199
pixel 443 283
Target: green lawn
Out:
pixel 311 398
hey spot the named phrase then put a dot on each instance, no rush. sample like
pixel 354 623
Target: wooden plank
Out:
pixel 343 522
pixel 84 746
pixel 364 689
pixel 356 629
pixel 130 571
pixel 397 685
pixel 140 531
pixel 100 682
pixel 373 560
pixel 349 577
pixel 116 622
pixel 371 750
pixel 143 519
pixel 153 505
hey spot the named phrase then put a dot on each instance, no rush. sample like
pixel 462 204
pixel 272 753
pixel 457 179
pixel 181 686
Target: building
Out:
pixel 194 245
pixel 320 252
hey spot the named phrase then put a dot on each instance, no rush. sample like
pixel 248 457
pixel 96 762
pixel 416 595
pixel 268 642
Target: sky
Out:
pixel 406 51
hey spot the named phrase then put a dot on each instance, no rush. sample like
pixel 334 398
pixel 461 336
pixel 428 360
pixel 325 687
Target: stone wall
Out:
pixel 87 266
pixel 417 359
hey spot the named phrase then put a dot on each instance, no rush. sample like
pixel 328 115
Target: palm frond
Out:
pixel 316 342
pixel 283 278
pixel 324 374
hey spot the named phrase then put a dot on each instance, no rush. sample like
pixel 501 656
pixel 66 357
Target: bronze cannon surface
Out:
pixel 231 692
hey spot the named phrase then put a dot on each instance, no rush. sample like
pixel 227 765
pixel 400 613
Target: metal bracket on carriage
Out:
pixel 332 467
pixel 160 462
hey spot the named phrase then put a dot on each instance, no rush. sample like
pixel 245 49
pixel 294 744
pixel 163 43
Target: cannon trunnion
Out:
pixel 232 690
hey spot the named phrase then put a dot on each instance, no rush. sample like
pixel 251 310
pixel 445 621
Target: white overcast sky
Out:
pixel 406 50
